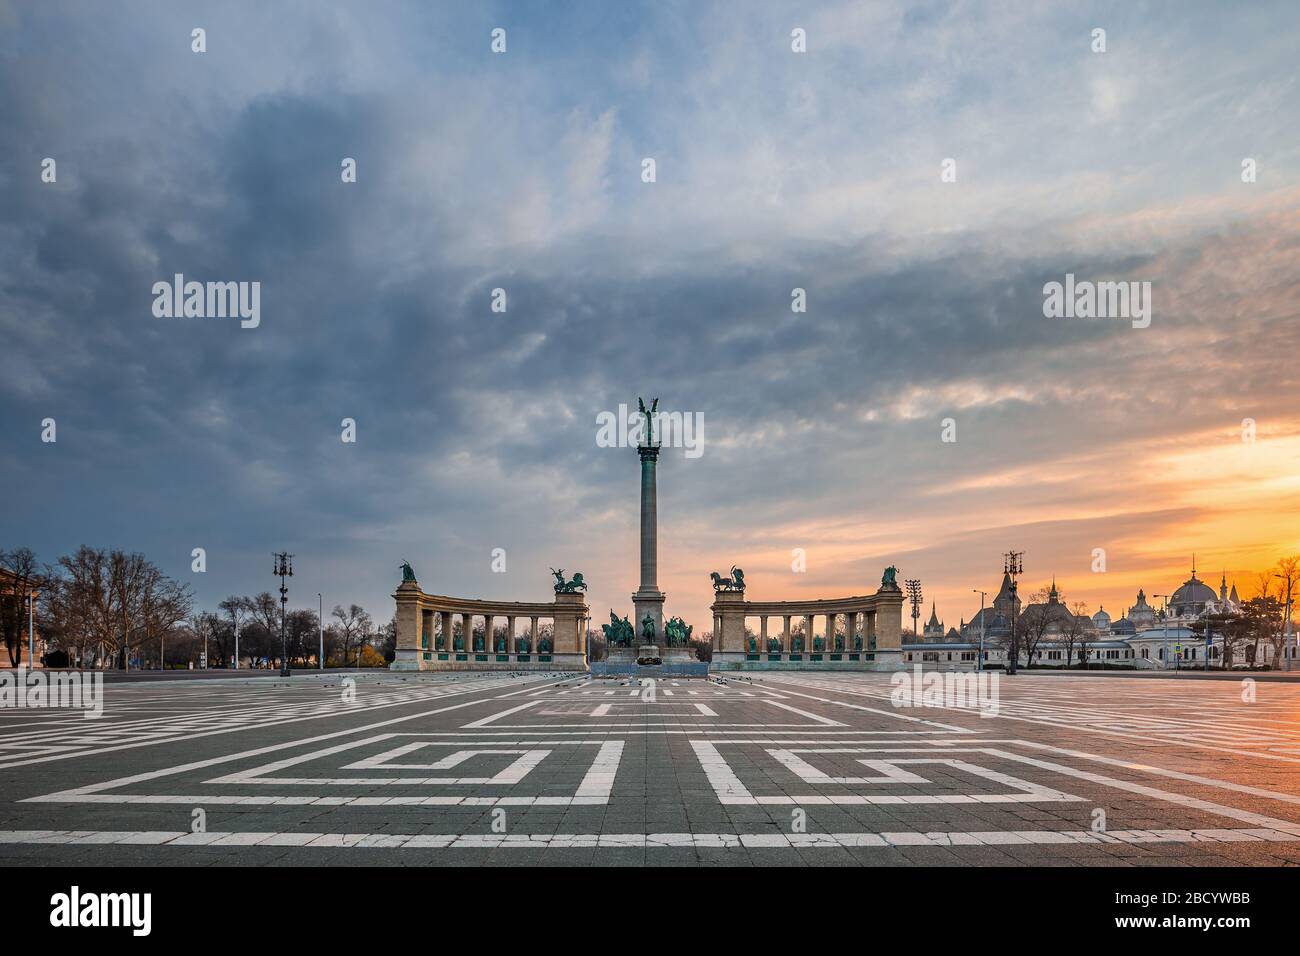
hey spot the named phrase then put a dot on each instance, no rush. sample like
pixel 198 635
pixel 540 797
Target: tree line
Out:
pixel 113 609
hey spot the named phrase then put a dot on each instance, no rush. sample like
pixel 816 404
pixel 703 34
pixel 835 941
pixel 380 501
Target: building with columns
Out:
pixel 436 632
pixel 1144 638
pixel 863 632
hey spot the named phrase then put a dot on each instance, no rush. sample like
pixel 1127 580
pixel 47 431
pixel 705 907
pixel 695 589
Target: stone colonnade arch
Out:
pixel 872 634
pixel 426 629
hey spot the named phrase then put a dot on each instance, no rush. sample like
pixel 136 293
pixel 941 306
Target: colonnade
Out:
pixel 427 638
pixel 873 628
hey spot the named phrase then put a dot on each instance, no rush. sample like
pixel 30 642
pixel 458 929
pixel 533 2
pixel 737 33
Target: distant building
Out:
pixel 1141 614
pixel 1143 638
pixel 9 585
pixel 933 630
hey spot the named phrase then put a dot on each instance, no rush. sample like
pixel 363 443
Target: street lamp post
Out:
pixel 1164 632
pixel 283 569
pixel 979 663
pixel 31 631
pixel 1012 566
pixel 320 621
pixel 914 595
pixel 1286 622
pixel 1287 650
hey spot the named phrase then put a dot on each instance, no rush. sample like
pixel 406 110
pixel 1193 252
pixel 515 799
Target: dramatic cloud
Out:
pixel 775 170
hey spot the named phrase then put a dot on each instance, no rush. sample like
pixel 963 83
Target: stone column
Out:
pixel 762 634
pixel 785 636
pixel 648 599
pixel 850 630
pixel 532 635
pixel 446 631
pixel 570 650
pixel 510 634
pixel 889 629
pixel 729 611
pixel 810 626
pixel 407 656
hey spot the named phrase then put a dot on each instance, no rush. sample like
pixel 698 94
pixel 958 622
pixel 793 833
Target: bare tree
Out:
pixel 1033 624
pixel 354 624
pixel 114 600
pixel 1075 632
pixel 1288 573
pixel 204 625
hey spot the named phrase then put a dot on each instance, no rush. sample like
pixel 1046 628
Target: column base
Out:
pixel 480 661
pixel 405 660
pixel 887 659
pixel 651 603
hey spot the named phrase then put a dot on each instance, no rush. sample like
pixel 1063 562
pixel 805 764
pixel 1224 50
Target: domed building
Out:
pixel 1141 614
pixel 1122 628
pixel 1192 597
pixel 1054 616
pixel 1101 620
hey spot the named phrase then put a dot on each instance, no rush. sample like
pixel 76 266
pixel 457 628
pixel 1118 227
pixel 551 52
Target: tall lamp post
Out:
pixel 31 630
pixel 1164 632
pixel 320 621
pixel 979 661
pixel 283 569
pixel 1013 564
pixel 914 595
pixel 1287 653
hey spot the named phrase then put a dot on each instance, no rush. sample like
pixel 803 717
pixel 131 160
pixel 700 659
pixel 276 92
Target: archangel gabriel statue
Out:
pixel 649 413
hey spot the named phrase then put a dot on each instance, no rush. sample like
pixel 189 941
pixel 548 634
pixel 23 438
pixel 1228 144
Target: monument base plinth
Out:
pixel 648 604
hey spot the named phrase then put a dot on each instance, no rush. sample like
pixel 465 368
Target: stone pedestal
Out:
pixel 651 603
pixel 570 641
pixel 729 627
pixel 888 629
pixel 407 654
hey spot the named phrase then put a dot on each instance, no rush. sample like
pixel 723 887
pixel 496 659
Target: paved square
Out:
pixel 790 768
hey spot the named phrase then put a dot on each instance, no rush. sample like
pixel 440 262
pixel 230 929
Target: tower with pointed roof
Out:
pixel 933 630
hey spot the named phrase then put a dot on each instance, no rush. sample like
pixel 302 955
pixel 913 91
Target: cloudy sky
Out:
pixel 775 170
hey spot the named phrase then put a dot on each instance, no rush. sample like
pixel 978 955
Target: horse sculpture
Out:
pixel 618 632
pixel 678 632
pixel 734 583
pixel 568 587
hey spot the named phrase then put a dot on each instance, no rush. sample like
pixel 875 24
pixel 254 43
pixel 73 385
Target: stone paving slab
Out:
pixel 774 769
